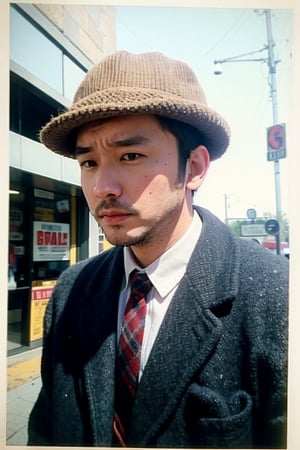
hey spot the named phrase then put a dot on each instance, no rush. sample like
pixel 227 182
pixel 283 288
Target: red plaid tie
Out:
pixel 130 345
pixel 131 338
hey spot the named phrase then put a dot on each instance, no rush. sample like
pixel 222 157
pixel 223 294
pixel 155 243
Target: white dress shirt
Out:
pixel 165 274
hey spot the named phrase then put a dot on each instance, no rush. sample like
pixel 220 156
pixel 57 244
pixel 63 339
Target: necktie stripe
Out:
pixel 133 326
pixel 130 345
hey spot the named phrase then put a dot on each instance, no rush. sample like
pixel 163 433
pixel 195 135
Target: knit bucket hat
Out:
pixel 128 84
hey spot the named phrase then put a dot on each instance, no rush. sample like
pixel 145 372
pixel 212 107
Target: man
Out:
pixel 199 358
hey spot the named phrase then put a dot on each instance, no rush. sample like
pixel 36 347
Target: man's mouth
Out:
pixel 113 216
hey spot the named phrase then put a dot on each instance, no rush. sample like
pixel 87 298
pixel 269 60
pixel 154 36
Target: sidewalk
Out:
pixel 23 385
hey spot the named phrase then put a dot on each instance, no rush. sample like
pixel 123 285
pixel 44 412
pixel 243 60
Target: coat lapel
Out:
pixel 190 331
pixel 183 346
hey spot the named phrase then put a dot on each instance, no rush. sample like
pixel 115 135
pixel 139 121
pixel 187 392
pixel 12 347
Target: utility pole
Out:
pixel 226 207
pixel 272 82
pixel 271 62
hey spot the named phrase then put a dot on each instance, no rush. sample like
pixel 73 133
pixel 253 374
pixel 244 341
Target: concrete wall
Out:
pixel 91 28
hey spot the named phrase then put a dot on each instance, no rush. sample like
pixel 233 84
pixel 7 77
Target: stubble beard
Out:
pixel 148 234
pixel 142 239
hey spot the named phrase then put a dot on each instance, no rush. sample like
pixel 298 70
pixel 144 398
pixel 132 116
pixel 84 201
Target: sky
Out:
pixel 241 94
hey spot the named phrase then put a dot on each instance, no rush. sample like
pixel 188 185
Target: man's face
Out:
pixel 129 168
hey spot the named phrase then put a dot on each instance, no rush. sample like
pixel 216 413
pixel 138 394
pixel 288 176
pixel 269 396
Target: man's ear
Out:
pixel 197 167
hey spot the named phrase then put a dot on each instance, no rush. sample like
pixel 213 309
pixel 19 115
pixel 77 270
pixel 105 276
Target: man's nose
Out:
pixel 107 183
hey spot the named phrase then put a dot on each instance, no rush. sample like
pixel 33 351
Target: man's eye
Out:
pixel 131 156
pixel 88 163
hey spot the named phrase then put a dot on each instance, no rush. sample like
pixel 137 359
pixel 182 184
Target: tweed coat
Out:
pixel 216 376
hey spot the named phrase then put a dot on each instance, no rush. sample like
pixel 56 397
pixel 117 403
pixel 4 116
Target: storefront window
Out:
pixel 39 250
pixel 16 256
pixel 17 273
pixel 50 250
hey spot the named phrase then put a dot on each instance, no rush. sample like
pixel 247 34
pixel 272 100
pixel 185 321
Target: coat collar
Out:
pixel 215 264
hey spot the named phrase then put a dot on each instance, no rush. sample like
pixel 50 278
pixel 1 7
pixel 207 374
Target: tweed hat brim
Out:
pixel 116 99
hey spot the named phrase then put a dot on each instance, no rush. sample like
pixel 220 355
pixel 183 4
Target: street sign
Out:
pixel 253 229
pixel 276 142
pixel 272 226
pixel 251 213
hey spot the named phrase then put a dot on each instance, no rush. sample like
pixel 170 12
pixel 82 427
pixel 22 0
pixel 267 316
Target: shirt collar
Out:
pixel 167 270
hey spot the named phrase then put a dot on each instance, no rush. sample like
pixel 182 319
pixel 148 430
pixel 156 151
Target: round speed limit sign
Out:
pixel 276 137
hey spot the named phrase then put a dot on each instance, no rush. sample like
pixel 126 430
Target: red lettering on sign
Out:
pixel 47 236
pixel 40 238
pixel 52 238
pixel 63 239
pixel 41 293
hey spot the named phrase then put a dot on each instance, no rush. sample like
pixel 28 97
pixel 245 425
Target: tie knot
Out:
pixel 140 284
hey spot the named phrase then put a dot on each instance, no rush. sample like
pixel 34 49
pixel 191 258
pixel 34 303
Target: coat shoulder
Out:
pixel 79 275
pixel 261 264
pixel 103 260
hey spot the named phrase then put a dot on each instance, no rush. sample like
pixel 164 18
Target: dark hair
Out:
pixel 187 138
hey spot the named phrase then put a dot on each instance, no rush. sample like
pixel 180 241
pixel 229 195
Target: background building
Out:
pixel 51 48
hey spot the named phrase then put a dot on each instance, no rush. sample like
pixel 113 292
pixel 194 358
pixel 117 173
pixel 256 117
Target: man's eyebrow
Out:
pixel 114 143
pixel 132 140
